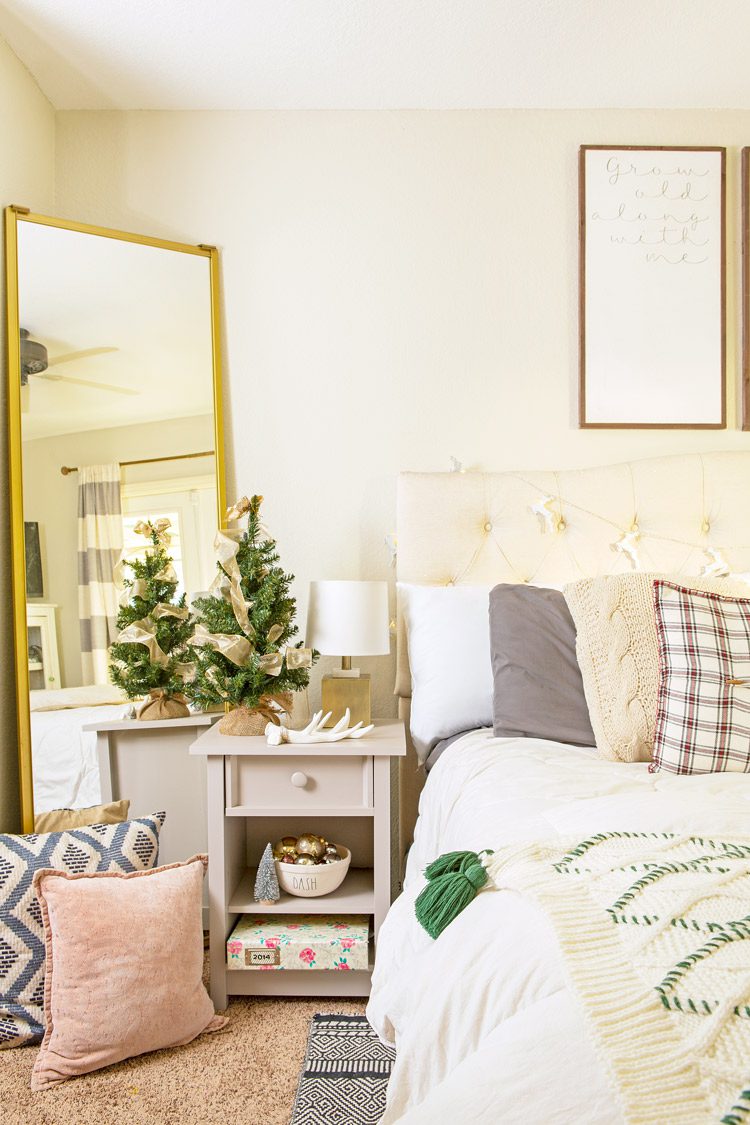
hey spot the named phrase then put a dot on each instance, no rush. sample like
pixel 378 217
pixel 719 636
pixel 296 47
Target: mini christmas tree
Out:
pixel 242 646
pixel 147 657
pixel 266 882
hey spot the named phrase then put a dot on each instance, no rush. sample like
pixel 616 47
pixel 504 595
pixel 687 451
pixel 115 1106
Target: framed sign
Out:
pixel 746 288
pixel 652 296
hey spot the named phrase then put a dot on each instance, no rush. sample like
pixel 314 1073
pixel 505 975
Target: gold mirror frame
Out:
pixel 13 215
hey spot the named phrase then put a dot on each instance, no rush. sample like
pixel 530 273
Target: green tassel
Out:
pixel 453 882
pixel 444 864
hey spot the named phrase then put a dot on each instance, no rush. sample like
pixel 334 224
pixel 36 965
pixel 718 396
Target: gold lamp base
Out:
pixel 340 692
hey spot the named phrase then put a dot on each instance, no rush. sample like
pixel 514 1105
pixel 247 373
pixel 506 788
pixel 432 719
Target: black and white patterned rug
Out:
pixel 344 1075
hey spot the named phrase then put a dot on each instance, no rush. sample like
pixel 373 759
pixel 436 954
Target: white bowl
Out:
pixel 307 881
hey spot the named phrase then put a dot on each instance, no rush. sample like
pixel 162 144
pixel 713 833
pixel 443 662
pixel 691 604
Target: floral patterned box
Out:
pixel 299 941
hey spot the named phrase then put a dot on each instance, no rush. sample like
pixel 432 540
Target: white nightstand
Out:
pixel 252 799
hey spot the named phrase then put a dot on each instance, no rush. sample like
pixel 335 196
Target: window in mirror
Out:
pixel 191 511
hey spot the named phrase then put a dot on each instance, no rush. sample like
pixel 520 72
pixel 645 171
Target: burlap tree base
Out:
pixel 162 706
pixel 250 721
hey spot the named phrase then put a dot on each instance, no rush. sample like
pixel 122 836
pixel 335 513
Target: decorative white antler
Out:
pixel 314 732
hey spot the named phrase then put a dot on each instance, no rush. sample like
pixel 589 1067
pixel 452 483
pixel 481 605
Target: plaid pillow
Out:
pixel 703 714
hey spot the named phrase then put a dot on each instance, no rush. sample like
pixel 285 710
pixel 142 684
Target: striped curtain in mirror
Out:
pixel 99 548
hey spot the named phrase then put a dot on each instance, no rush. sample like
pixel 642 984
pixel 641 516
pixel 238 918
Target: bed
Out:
pixel 487 1023
pixel 66 771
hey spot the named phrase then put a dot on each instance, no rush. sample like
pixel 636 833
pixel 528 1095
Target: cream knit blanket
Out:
pixel 654 931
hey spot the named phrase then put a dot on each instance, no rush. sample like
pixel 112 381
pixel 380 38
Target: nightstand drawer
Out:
pixel 299 783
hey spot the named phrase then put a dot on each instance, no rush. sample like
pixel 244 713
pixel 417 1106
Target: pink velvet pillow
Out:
pixel 124 961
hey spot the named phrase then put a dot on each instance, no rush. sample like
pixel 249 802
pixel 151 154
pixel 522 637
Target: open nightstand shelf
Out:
pixel 258 793
pixel 356 895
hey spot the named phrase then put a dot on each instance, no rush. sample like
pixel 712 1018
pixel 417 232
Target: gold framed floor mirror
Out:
pixel 114 418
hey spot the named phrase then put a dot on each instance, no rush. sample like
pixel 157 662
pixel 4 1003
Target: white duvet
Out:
pixel 66 770
pixel 486 1028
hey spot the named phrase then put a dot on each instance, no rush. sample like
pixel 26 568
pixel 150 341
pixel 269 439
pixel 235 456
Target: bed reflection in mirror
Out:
pixel 117 426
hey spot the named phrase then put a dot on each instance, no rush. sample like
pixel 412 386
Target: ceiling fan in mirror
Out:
pixel 35 361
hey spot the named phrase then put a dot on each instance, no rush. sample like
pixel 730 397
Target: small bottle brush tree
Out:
pixel 252 666
pixel 266 881
pixel 154 629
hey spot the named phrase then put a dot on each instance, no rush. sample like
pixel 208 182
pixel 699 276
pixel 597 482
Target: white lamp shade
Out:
pixel 348 618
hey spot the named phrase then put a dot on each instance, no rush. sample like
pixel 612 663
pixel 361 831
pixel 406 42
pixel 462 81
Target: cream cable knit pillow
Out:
pixel 617 649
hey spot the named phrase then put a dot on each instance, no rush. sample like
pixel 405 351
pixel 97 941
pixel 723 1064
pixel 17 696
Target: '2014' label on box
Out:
pixel 261 955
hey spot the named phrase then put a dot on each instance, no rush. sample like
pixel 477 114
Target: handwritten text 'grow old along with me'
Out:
pixel 658 207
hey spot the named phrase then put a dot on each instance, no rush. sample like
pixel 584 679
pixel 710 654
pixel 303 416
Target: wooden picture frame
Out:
pixel 745 190
pixel 33 553
pixel 652 345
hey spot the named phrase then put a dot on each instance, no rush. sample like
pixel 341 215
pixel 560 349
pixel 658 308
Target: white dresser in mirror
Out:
pixel 44 657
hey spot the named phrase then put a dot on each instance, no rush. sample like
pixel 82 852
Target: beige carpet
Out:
pixel 244 1075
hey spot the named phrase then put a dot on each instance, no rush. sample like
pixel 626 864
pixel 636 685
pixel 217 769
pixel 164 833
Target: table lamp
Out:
pixel 348 619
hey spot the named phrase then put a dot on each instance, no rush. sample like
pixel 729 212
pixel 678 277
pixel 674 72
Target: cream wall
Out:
pixel 27 155
pixel 398 287
pixel 52 499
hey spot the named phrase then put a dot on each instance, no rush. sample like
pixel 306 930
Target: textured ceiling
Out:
pixel 383 54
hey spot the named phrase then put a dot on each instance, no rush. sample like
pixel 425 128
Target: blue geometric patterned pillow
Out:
pixel 130 846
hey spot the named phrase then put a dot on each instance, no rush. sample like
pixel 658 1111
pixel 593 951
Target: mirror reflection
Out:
pixel 117 428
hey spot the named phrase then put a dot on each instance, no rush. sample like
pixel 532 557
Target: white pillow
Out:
pixel 448 638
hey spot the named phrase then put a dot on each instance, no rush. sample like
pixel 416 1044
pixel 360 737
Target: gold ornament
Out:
pixel 304 860
pixel 285 846
pixel 311 845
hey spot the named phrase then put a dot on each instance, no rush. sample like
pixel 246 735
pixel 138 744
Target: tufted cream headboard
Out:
pixel 681 515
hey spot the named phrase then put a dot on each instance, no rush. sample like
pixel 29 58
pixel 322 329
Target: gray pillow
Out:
pixel 538 690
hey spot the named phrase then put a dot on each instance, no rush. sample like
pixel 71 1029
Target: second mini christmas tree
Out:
pixel 147 659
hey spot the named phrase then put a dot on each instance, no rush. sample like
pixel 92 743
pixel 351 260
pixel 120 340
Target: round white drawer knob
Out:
pixel 299 779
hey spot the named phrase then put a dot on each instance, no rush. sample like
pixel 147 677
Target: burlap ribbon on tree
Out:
pixel 240 508
pixel 164 609
pixel 226 545
pixel 159 527
pixel 236 648
pixel 161 705
pixel 271 664
pixel 229 580
pixel 143 632
pixel 137 588
pixel 272 707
